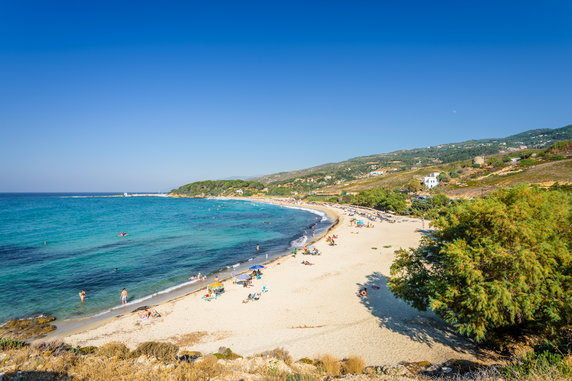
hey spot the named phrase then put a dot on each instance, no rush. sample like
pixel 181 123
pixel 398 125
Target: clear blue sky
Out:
pixel 150 95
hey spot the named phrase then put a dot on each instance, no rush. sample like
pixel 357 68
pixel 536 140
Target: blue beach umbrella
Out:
pixel 256 267
pixel 243 277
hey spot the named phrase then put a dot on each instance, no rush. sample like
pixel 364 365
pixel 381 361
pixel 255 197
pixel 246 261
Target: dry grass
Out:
pixel 113 350
pixel 54 347
pixel 353 365
pixel 34 364
pixel 160 351
pixel 189 339
pixel 329 365
pixel 207 369
pixel 279 354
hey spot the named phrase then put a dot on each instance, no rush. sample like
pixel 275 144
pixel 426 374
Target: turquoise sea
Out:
pixel 54 245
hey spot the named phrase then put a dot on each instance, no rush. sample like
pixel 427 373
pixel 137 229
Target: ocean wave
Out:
pixel 323 215
pixel 299 242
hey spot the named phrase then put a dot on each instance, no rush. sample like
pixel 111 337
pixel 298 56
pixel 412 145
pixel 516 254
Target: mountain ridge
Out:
pixel 419 157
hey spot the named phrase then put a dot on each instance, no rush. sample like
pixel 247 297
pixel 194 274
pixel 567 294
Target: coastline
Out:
pixel 70 326
pixel 308 310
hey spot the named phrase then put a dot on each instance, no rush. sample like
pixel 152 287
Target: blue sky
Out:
pixel 148 95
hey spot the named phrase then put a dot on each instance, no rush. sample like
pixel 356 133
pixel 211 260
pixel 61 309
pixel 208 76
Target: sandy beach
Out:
pixel 308 310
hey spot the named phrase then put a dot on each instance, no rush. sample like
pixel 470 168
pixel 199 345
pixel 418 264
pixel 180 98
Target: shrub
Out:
pixel 83 350
pixel 353 365
pixel 329 365
pixel 113 350
pixel 226 354
pixel 527 162
pixel 542 365
pixel 7 343
pixel 161 351
pixel 305 360
pixel 55 347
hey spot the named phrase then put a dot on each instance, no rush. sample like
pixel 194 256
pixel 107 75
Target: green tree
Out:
pixel 381 199
pixel 494 264
pixel 443 177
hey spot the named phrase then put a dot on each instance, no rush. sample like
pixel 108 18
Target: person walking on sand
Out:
pixel 124 296
pixel 82 295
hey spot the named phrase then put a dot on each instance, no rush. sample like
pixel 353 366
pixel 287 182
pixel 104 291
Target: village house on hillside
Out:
pixel 376 173
pixel 431 180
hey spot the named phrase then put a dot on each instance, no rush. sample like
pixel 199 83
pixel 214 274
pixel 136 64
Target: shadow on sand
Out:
pixel 420 326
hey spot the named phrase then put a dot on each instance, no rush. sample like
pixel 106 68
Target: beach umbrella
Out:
pixel 256 267
pixel 243 277
pixel 215 285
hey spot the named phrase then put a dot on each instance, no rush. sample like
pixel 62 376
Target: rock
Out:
pixel 223 350
pixel 26 328
pixel 462 366
pixel 417 366
pixel 446 369
pixel 189 356
pixel 399 370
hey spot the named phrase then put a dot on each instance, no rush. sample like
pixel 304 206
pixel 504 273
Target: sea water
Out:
pixel 52 246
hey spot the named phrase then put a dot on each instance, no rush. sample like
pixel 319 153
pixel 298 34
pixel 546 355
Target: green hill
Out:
pixel 404 160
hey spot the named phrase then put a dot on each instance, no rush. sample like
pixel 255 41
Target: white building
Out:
pixel 376 173
pixel 431 180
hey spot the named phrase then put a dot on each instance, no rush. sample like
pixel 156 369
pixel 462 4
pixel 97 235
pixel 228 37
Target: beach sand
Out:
pixel 308 310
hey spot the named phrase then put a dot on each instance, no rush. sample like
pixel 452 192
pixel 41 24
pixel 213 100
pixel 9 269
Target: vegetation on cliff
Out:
pixel 219 188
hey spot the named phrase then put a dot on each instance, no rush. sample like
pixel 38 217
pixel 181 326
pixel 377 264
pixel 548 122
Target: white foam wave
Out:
pixel 299 242
pixel 314 211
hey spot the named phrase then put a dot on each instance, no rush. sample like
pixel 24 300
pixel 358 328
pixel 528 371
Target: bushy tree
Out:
pixel 495 264
pixel 381 199
pixel 413 185
pixel 429 207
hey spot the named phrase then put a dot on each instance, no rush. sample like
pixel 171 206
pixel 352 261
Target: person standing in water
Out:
pixel 124 296
pixel 257 248
pixel 82 295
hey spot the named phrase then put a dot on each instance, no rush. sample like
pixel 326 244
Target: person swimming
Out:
pixel 122 234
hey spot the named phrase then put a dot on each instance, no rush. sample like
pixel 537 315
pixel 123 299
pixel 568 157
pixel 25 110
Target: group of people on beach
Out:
pixel 199 276
pixel 331 239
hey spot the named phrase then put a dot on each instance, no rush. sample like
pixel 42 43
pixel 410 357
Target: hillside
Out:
pixel 404 160
pixel 470 181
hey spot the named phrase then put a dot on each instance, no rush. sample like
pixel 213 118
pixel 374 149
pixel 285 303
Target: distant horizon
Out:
pixel 100 95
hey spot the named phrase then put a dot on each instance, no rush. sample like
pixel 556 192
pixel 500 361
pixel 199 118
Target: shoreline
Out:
pixel 308 310
pixel 70 326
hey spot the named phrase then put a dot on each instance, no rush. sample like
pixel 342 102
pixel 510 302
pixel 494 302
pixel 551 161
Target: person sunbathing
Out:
pixel 154 314
pixel 306 263
pixel 145 314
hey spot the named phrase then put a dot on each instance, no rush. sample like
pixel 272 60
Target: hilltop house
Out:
pixel 431 180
